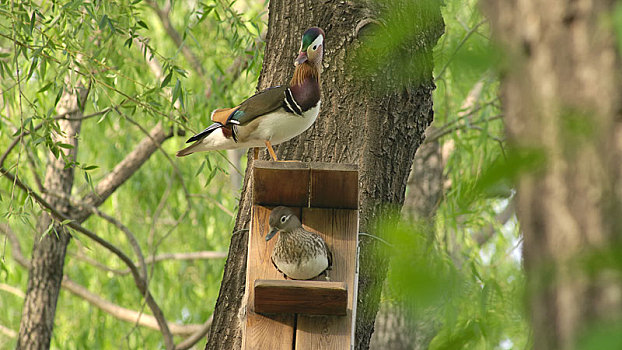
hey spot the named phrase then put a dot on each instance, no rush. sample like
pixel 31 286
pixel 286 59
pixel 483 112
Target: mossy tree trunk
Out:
pixel 377 122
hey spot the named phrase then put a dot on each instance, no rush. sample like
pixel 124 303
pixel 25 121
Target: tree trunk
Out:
pixel 50 243
pixel 377 128
pixel 562 104
pixel 397 326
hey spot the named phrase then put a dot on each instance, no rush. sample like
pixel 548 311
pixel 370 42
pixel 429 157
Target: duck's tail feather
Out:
pixel 198 138
pixel 203 134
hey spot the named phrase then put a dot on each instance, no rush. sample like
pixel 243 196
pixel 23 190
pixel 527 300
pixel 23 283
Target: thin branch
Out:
pixel 57 117
pixel 484 235
pixel 163 15
pixel 130 237
pixel 124 170
pixel 109 307
pixel 124 314
pixel 9 149
pixel 156 214
pixel 16 248
pixel 202 255
pixel 196 337
pixel 33 170
pixel 140 283
pixel 8 332
pixel 439 134
pixel 464 39
pixel 10 289
pixel 87 259
pixel 166 155
pixel 218 204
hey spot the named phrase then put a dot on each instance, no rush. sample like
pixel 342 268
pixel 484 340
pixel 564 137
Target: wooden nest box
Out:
pixel 317 314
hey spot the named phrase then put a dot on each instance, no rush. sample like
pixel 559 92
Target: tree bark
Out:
pixel 562 102
pixel 397 326
pixel 377 128
pixel 50 244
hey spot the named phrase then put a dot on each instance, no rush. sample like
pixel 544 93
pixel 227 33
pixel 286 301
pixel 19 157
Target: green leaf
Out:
pixel 48 230
pixel 33 65
pixel 181 72
pixel 176 92
pixel 167 79
pixel 102 22
pixel 32 21
pixel 55 151
pixel 142 24
pixel 42 69
pixel 111 26
pixel 64 145
pixel 90 167
pixel 210 177
pixel 58 95
pixel 200 168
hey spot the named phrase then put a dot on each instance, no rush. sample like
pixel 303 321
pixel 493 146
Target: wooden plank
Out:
pixel 303 297
pixel 334 186
pixel 340 230
pixel 263 331
pixel 281 183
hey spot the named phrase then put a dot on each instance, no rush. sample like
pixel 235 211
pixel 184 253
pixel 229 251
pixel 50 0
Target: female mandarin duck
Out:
pixel 299 254
pixel 271 116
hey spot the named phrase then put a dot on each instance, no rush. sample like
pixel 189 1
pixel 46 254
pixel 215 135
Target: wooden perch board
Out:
pixel 301 297
pixel 325 197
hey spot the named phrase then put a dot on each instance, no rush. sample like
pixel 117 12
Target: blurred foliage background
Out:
pixel 456 280
pixel 173 62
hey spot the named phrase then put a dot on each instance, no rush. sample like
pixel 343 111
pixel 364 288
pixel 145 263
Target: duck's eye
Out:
pixel 283 219
pixel 314 47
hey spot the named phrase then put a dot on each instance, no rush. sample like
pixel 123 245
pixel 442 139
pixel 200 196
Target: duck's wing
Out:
pixel 261 103
pixel 329 254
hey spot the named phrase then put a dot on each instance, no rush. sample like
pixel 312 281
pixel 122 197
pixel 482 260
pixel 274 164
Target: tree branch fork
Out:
pixel 194 331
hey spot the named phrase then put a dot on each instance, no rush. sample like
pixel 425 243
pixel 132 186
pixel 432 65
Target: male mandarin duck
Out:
pixel 271 116
pixel 298 254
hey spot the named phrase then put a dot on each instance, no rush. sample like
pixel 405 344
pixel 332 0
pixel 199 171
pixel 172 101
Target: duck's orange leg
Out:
pixel 271 151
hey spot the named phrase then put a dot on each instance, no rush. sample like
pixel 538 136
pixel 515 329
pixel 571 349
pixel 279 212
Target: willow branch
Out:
pixel 57 117
pixel 483 236
pixel 16 248
pixel 203 255
pixel 10 289
pixel 436 135
pixel 130 237
pixel 94 299
pixel 464 40
pixel 124 314
pixel 8 332
pixel 139 281
pixel 124 170
pixel 163 15
pixel 196 337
